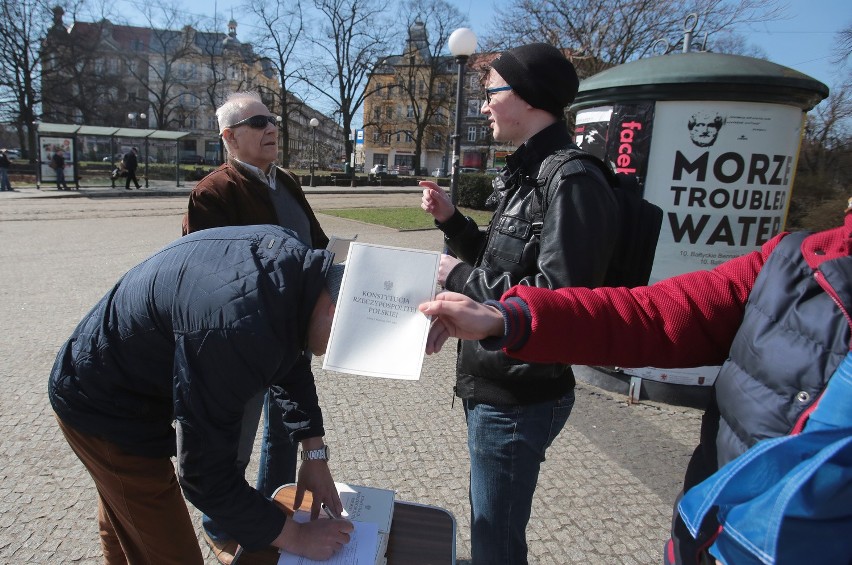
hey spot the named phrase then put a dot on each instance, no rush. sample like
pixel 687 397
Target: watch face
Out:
pixel 316 454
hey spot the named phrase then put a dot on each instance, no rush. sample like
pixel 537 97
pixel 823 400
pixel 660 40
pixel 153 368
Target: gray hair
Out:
pixel 234 104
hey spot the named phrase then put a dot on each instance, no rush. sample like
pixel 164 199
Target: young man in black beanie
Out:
pixel 514 410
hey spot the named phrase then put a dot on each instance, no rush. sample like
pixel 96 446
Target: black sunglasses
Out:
pixel 257 122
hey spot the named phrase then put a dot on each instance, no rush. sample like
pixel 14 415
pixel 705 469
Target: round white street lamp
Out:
pixel 313 123
pixel 462 44
pixel 133 115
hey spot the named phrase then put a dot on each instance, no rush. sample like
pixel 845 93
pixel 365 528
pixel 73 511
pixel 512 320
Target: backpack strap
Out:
pixel 547 171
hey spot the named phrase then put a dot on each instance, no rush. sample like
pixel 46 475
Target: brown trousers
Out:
pixel 142 516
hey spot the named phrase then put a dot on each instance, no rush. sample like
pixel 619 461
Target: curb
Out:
pixel 120 192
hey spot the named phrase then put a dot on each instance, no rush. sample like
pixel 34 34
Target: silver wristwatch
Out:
pixel 321 454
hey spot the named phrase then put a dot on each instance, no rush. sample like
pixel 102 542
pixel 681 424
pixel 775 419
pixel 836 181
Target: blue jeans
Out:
pixel 4 179
pixel 507 446
pixel 277 465
pixel 60 178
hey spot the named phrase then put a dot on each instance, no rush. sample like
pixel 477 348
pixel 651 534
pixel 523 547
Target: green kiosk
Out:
pixel 714 140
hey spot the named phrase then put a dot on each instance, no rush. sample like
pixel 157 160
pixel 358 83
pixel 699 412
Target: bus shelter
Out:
pixel 73 139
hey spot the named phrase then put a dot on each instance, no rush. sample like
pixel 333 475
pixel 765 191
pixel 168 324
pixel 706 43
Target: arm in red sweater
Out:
pixel 686 321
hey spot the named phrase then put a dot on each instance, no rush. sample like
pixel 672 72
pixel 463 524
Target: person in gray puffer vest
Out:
pixel 778 321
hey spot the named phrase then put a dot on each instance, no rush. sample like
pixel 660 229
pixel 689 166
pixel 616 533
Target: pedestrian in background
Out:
pixel 250 189
pixel 57 163
pixel 515 410
pixel 131 163
pixel 5 185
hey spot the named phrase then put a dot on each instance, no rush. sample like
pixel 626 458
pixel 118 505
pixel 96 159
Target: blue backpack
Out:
pixel 787 500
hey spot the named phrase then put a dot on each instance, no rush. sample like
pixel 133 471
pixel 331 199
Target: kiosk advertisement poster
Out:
pixel 620 134
pixel 722 173
pixel 48 146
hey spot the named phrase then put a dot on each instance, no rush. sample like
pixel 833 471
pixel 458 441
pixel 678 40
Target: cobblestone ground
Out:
pixel 604 494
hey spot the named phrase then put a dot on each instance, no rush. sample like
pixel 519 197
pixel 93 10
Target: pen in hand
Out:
pixel 328 512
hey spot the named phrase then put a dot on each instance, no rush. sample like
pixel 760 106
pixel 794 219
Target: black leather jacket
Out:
pixel 574 247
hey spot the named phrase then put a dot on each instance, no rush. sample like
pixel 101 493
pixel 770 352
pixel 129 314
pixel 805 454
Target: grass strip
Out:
pixel 400 218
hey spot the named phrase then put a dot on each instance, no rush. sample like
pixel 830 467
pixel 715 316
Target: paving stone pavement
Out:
pixel 605 491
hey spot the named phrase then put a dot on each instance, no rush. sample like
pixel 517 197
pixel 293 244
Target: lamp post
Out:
pixel 462 45
pixel 281 140
pixel 133 115
pixel 314 123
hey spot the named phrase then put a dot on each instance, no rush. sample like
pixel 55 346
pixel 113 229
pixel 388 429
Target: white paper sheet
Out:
pixel 361 549
pixel 377 330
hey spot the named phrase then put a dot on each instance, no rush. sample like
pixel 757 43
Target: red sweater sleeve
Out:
pixel 686 321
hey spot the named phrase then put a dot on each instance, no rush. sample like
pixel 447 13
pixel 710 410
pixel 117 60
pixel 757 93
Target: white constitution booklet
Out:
pixel 377 330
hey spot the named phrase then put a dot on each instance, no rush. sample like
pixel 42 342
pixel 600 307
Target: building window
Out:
pixel 422 88
pixel 473 107
pixel 211 122
pixel 399 136
pixel 377 114
pixel 471 133
pixel 409 112
pixel 408 137
pixel 376 136
pixel 387 138
pixel 389 112
pixel 389 90
pixel 474 81
pixel 437 138
pixel 483 132
pixel 442 89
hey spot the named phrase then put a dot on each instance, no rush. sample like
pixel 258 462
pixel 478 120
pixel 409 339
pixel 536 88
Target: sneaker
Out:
pixel 224 551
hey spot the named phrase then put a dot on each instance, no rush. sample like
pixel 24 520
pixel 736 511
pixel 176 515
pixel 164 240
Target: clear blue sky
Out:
pixel 803 41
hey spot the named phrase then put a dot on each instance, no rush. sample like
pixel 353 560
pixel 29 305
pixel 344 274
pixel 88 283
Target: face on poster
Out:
pixel 721 172
pixel 48 147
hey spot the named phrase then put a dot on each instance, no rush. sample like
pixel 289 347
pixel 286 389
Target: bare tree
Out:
pixel 23 26
pixel 612 32
pixel 80 78
pixel 212 50
pixel 822 182
pixel 162 70
pixel 352 38
pixel 423 75
pixel 844 45
pixel 282 26
pixel 827 133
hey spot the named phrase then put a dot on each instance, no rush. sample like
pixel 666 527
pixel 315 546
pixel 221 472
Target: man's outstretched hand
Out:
pixel 456 315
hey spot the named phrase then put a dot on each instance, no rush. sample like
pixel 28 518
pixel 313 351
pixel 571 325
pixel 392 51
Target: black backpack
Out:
pixel 640 220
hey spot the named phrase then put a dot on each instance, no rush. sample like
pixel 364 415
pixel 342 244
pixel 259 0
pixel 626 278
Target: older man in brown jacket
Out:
pixel 250 189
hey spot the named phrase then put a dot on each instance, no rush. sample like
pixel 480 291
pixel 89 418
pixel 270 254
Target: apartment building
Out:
pixel 104 74
pixel 398 94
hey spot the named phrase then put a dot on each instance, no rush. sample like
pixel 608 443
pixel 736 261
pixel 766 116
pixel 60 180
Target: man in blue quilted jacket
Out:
pixel 164 364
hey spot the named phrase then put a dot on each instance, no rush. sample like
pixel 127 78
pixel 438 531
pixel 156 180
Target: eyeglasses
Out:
pixel 257 122
pixel 490 91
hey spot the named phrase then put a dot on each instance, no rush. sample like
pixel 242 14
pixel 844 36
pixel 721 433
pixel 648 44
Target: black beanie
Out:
pixel 541 75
